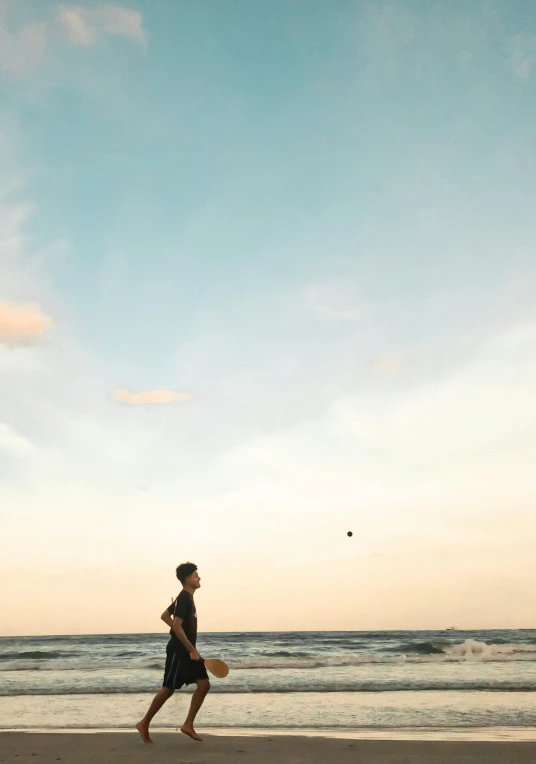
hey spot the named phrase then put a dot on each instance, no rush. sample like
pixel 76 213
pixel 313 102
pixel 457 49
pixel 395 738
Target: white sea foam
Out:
pixel 420 653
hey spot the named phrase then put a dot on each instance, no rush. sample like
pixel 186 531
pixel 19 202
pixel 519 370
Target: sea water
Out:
pixel 346 681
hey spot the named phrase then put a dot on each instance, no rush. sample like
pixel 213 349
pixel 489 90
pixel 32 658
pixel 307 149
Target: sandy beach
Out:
pixel 126 747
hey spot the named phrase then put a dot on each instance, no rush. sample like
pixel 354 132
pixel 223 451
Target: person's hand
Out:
pixel 194 655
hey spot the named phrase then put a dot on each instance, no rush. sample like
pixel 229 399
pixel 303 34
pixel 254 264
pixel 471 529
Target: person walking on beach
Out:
pixel 184 665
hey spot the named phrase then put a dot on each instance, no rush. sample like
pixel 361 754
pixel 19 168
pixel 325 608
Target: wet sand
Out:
pixel 104 748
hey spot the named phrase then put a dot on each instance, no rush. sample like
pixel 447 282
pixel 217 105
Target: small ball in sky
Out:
pixel 349 533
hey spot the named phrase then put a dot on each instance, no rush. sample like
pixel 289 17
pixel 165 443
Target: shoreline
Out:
pixel 284 749
pixel 416 734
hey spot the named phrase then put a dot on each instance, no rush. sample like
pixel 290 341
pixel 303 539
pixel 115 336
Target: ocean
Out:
pixel 342 682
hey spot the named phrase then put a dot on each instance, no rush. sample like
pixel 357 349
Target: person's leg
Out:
pixel 203 686
pixel 158 701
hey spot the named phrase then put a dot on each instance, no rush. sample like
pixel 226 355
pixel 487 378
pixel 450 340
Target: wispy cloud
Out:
pixel 22 324
pixel 23 48
pixel 77 26
pixel 87 26
pixel 12 219
pixel 523 53
pixel 334 299
pixel 151 396
pixel 386 365
pixel 120 21
pixel 464 440
pixel 13 443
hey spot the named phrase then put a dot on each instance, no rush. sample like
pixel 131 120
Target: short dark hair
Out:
pixel 184 570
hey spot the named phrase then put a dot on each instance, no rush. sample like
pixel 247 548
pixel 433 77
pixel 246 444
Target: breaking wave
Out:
pixel 325 687
pixel 416 652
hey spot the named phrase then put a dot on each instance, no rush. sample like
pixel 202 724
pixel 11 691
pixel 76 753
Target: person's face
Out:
pixel 193 580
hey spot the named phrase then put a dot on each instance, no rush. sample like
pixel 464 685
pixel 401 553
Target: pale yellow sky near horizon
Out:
pixel 382 593
pixel 414 586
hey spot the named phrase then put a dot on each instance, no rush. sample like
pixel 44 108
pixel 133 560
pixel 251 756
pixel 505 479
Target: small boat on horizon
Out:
pixel 452 628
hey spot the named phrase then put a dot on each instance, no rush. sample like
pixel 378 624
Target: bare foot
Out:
pixel 143 729
pixel 188 729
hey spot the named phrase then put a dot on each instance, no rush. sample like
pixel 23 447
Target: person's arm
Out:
pixel 166 617
pixel 179 633
pixel 183 608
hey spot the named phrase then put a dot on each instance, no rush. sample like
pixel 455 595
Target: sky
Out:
pixel 267 275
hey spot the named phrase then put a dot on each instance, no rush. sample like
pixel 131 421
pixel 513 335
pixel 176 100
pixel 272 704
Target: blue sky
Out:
pixel 317 221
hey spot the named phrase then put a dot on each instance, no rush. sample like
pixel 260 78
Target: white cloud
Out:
pixel 151 396
pixel 523 53
pixel 22 49
pixel 13 443
pixel 22 324
pixel 12 218
pixel 333 299
pixel 86 26
pixel 120 21
pixel 76 23
pixel 403 461
pixel 22 319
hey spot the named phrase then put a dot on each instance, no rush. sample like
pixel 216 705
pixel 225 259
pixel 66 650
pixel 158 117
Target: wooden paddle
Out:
pixel 217 667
